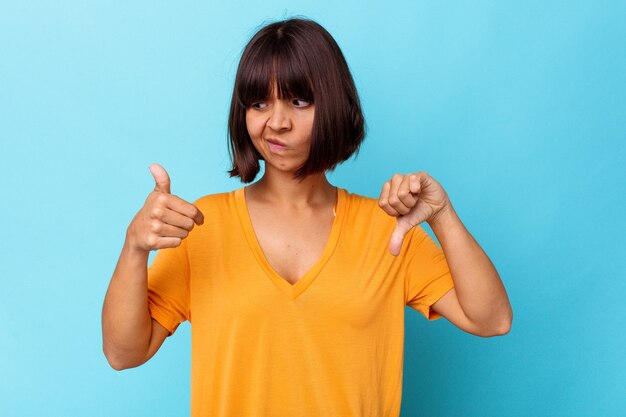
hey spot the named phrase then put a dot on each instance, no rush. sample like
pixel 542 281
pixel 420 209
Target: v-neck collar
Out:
pixel 292 291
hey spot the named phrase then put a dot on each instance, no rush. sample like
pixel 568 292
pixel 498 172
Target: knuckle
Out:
pixel 161 198
pixel 382 203
pixel 397 176
pixel 393 200
pixel 151 241
pixel 157 213
pixel 156 226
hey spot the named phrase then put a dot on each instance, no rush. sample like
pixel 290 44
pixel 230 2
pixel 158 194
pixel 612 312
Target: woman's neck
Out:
pixel 280 188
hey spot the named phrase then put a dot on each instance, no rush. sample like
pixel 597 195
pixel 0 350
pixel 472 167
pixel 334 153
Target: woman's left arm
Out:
pixel 478 303
pixel 478 292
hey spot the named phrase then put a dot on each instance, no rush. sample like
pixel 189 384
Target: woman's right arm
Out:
pixel 129 335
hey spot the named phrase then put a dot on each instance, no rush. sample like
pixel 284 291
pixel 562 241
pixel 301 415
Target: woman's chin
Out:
pixel 283 167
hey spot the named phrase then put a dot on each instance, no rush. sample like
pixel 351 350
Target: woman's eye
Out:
pixel 303 102
pixel 259 105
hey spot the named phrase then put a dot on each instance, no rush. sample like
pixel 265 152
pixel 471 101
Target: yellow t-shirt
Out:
pixel 330 345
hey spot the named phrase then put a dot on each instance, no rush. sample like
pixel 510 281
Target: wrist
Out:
pixel 442 217
pixel 133 250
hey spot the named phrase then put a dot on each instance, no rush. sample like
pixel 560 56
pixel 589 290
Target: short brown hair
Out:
pixel 305 62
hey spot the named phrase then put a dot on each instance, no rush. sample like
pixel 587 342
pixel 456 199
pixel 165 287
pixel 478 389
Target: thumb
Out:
pixel 397 237
pixel 161 178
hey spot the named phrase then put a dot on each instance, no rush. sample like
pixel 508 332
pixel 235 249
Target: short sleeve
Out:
pixel 168 286
pixel 427 275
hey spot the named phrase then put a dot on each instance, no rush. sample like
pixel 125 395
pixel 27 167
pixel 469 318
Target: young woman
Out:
pixel 295 288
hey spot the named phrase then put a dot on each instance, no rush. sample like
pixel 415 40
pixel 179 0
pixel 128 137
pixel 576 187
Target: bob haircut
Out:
pixel 305 62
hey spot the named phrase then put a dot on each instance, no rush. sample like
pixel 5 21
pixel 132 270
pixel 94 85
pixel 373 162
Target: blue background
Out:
pixel 516 108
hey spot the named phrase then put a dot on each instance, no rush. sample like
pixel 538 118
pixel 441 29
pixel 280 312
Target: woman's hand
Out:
pixel 164 220
pixel 413 199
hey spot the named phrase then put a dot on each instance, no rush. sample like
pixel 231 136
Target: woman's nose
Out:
pixel 278 117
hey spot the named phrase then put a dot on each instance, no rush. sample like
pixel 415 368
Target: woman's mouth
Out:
pixel 275 146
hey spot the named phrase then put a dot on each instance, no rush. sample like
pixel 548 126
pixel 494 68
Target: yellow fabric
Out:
pixel 330 345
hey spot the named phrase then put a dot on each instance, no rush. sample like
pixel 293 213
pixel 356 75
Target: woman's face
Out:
pixel 281 130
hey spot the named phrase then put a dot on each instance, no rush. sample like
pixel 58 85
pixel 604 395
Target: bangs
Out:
pixel 274 63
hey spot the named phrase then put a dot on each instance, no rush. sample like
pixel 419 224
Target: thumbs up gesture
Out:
pixel 164 220
pixel 412 199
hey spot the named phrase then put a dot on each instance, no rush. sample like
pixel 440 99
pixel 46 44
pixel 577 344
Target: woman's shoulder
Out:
pixel 223 199
pixel 366 207
pixel 360 200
